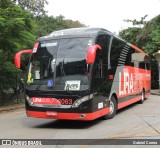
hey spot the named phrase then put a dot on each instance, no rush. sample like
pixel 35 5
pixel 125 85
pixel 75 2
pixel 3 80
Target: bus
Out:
pixel 84 74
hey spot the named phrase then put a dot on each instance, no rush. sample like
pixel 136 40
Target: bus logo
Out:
pixel 125 83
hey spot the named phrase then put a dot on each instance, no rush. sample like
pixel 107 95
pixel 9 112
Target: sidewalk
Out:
pixel 11 107
pixel 155 92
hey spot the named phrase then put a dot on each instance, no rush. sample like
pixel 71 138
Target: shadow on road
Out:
pixel 69 124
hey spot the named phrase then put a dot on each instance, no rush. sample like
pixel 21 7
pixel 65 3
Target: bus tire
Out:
pixel 142 97
pixel 113 109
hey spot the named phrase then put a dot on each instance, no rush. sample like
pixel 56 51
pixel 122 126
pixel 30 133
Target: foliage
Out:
pixel 135 22
pixel 48 24
pixel 5 3
pixel 16 27
pixel 74 24
pixel 9 74
pixel 21 22
pixel 147 38
pixel 130 34
pixel 35 6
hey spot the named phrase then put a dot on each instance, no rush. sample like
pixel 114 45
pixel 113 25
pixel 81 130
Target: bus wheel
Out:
pixel 113 109
pixel 142 97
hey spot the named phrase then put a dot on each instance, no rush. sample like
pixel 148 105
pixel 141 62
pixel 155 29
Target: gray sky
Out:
pixel 108 14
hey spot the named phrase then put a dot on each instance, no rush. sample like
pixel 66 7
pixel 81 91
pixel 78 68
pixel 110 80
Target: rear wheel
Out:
pixel 142 96
pixel 113 109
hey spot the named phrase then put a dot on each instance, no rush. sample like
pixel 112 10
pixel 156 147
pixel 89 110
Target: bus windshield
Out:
pixel 60 65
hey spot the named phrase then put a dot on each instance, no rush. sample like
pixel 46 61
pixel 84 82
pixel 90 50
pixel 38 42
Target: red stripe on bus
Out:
pixel 126 103
pixel 69 116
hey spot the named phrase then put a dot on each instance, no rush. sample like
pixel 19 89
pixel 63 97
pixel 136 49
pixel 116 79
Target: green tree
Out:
pixel 147 38
pixel 139 23
pixel 34 6
pixel 21 23
pixel 131 34
pixel 74 24
pixel 16 27
pixel 48 24
pixel 5 3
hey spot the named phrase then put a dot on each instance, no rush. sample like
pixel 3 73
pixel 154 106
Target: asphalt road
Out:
pixel 135 121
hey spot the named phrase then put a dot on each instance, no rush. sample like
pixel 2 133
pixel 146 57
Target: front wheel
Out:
pixel 113 109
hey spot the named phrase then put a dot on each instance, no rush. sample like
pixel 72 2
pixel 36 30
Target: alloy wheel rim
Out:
pixel 111 107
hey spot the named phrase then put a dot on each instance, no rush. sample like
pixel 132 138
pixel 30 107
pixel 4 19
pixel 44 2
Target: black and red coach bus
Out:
pixel 84 74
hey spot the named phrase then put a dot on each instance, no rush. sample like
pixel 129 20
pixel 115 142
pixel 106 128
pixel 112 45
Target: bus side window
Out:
pixel 104 41
pixel 142 65
pixel 129 61
pixel 148 66
pixel 115 53
pixel 98 73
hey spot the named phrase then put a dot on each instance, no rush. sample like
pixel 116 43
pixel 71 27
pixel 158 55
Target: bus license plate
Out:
pixel 50 113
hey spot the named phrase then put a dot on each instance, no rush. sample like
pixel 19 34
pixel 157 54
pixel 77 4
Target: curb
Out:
pixel 11 107
pixel 157 94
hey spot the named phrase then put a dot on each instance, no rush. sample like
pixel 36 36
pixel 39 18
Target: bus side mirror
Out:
pixel 91 54
pixel 17 58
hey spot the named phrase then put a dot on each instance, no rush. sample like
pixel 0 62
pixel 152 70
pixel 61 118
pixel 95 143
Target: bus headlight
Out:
pixel 81 100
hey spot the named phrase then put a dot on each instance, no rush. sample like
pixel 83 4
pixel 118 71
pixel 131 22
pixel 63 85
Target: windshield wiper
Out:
pixel 62 72
pixel 64 76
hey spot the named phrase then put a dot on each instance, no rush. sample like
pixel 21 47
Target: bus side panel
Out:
pixel 128 84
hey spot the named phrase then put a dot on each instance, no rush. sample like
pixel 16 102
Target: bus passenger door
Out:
pixel 100 72
pixel 98 84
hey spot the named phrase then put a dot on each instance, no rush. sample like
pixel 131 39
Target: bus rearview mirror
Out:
pixel 91 54
pixel 17 58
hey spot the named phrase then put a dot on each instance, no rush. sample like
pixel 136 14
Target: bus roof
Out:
pixel 85 31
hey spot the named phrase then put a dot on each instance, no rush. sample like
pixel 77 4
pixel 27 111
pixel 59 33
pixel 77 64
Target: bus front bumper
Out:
pixel 68 116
